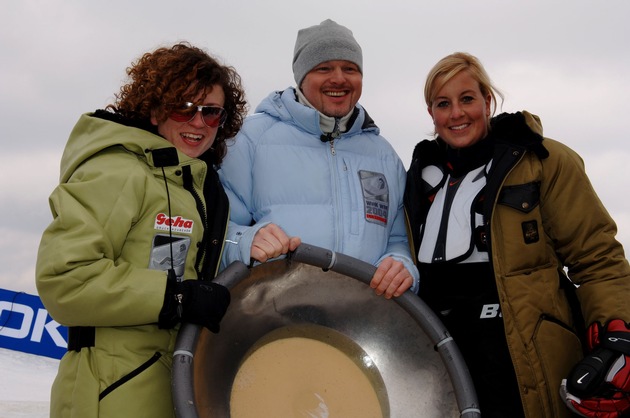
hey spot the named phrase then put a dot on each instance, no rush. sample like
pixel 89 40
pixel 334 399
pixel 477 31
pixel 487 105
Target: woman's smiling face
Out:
pixel 194 137
pixel 460 112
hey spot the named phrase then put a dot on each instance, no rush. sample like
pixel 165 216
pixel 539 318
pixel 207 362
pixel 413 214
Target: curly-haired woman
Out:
pixel 138 223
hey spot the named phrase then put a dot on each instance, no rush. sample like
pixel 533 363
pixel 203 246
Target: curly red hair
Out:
pixel 166 77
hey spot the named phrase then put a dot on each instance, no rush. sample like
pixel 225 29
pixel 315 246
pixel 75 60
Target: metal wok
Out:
pixel 403 350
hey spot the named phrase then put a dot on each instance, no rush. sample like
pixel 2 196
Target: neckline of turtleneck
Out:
pixel 326 123
pixel 463 160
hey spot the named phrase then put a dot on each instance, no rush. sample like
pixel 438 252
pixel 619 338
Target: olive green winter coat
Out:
pixel 109 212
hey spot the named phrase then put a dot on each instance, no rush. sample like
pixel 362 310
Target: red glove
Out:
pixel 599 385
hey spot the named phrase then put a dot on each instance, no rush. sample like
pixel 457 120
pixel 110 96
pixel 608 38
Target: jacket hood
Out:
pixel 521 129
pixel 283 105
pixel 92 134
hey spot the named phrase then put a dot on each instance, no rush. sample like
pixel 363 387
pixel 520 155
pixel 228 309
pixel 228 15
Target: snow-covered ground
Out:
pixel 25 381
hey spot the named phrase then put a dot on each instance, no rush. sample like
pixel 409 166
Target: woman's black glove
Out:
pixel 599 385
pixel 195 301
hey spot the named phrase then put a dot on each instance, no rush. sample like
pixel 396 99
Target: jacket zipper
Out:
pixel 188 185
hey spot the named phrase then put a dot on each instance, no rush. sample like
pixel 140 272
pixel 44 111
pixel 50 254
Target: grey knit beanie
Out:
pixel 327 41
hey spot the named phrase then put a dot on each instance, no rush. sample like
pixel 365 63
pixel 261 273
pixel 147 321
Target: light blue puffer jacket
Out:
pixel 344 195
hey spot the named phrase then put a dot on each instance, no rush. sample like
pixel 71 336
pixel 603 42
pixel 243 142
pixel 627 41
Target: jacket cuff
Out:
pixel 238 244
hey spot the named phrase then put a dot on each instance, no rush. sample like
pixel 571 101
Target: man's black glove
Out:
pixel 195 301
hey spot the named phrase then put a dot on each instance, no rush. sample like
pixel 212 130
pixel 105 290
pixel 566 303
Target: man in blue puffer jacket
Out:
pixel 310 165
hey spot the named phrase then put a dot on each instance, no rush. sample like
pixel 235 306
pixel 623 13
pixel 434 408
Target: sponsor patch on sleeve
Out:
pixel 375 196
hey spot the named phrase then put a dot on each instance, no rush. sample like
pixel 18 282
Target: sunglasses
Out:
pixel 212 116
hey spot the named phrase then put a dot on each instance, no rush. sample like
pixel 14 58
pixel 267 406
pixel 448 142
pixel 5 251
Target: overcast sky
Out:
pixel 567 61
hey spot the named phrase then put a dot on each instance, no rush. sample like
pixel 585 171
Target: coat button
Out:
pixel 525 205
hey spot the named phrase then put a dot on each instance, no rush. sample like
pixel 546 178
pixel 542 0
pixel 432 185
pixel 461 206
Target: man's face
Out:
pixel 333 87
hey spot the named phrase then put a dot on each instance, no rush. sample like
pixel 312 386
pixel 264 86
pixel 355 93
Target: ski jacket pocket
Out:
pixel 558 349
pixel 144 366
pixel 522 197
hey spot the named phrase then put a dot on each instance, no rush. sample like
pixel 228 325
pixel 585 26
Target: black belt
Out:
pixel 79 337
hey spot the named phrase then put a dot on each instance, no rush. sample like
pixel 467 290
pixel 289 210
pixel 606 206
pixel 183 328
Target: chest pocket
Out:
pixel 522 197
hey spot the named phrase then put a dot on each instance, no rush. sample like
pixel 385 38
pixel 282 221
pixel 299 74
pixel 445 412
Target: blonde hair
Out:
pixel 451 65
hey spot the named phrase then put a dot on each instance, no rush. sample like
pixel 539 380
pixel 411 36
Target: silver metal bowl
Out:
pixel 399 346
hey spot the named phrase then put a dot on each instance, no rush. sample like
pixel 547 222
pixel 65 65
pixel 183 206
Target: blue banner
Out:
pixel 26 326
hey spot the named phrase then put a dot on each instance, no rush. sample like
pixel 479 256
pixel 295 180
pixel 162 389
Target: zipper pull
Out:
pixel 180 307
pixel 332 136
